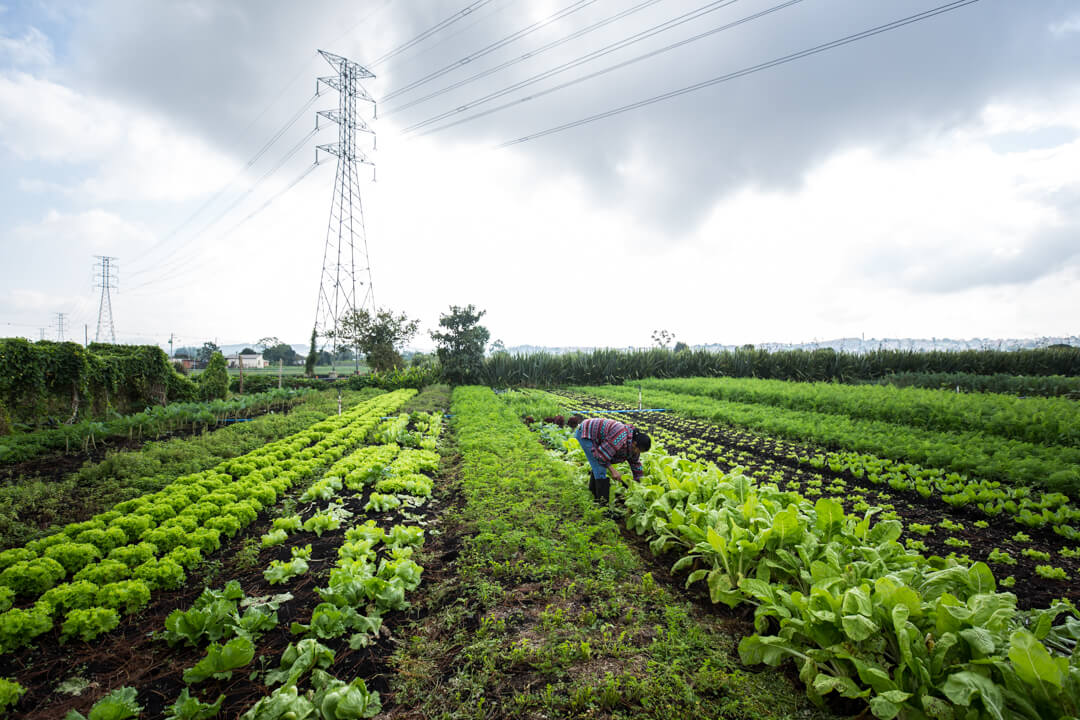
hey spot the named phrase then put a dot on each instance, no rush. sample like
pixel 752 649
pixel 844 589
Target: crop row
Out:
pixel 151 422
pixel 1045 421
pixel 373 572
pixel 858 614
pixel 971 453
pixel 119 557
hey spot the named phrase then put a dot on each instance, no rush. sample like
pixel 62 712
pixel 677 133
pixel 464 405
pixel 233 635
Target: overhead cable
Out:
pixel 588 57
pixel 925 15
pixel 617 66
pixel 568 10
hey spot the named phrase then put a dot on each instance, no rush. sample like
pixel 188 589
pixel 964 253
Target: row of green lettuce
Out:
pixel 971 453
pixel 153 421
pixel 362 587
pixel 1020 503
pixel 150 542
pixel 860 616
pixel 1044 421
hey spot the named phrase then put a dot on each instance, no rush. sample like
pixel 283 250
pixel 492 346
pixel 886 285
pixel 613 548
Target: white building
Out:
pixel 247 361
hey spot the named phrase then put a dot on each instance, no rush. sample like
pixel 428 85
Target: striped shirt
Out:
pixel 612 440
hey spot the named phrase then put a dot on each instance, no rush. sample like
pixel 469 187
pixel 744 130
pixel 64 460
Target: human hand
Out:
pixel 615 474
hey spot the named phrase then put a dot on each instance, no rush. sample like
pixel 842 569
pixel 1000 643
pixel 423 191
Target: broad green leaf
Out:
pixel 963 687
pixel 771 650
pixel 830 514
pixel 859 627
pixel 786 525
pixel 887 705
pixel 1034 664
pixel 980 640
pixel 981 579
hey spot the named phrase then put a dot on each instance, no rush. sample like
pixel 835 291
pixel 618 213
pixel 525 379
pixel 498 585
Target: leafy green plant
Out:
pixel 381 503
pixel 33 577
pixel 188 707
pixel 18 626
pixel 338 700
pixel 1051 573
pixel 10 692
pixel 299 659
pixel 88 623
pixel 322 522
pixel 284 702
pixel 120 704
pixel 1035 554
pixel 1001 557
pixel 127 595
pixel 164 574
pixel 221 660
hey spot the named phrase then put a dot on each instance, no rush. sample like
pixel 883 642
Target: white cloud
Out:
pixel 1066 26
pixel 31 50
pixel 85 233
pixel 132 154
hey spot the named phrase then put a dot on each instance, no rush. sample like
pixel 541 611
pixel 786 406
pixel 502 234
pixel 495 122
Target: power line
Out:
pixel 200 263
pixel 617 66
pixel 429 32
pixel 568 10
pixel 606 50
pixel 527 56
pixel 925 15
pixel 220 192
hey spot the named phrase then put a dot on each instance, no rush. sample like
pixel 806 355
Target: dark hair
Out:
pixel 642 441
pixel 574 420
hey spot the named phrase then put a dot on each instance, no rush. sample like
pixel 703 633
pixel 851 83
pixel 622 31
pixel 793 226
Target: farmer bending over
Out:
pixel 605 443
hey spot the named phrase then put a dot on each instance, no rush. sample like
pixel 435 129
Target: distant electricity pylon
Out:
pixel 345 234
pixel 105 278
pixel 60 326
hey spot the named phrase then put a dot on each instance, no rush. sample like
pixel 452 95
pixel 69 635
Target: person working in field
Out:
pixel 605 443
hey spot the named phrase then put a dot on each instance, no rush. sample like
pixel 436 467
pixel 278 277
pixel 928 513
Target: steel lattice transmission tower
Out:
pixel 105 278
pixel 345 258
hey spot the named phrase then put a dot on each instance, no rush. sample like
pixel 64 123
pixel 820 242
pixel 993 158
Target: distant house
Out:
pixel 186 362
pixel 247 361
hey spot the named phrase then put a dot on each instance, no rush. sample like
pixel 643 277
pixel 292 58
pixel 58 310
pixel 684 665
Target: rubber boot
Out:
pixel 592 485
pixel 603 490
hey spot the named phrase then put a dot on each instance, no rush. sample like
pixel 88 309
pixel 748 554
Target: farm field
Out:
pixel 758 540
pixel 293 577
pixel 62 487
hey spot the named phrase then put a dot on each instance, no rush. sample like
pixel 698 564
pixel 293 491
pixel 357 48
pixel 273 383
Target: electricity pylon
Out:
pixel 345 235
pixel 106 279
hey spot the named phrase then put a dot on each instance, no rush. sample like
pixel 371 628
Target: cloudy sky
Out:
pixel 918 182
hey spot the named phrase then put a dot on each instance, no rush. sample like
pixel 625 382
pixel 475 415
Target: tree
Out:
pixel 268 342
pixel 214 380
pixel 461 347
pixel 662 338
pixel 496 347
pixel 379 336
pixel 208 349
pixel 283 352
pixel 248 351
pixel 309 363
pixel 680 346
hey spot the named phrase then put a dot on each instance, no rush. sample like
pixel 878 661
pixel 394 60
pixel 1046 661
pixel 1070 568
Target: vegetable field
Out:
pixel 422 555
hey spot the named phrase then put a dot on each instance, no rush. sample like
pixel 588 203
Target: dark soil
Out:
pixel 730 447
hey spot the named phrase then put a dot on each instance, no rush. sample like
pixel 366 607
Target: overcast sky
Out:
pixel 921 182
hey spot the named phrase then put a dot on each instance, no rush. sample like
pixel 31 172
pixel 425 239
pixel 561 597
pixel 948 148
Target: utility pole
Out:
pixel 106 279
pixel 171 338
pixel 60 326
pixel 345 234
pixel 86 334
pixel 42 333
